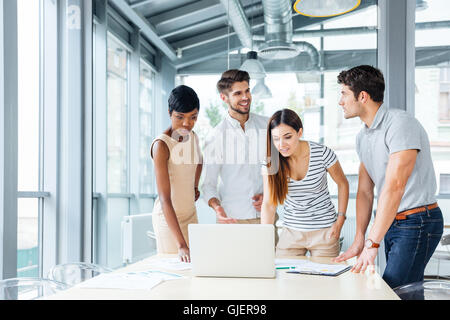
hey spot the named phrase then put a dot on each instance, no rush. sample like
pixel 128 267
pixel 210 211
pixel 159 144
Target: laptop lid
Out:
pixel 232 250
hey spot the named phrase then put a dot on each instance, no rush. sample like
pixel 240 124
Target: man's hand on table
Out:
pixel 366 260
pixel 354 251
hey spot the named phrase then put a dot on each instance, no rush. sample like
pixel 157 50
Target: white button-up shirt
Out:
pixel 232 165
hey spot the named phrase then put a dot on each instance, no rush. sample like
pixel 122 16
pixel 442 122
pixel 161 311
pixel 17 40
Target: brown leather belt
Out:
pixel 402 215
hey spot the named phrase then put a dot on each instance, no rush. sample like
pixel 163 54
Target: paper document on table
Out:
pixel 170 264
pixel 144 280
pixel 309 267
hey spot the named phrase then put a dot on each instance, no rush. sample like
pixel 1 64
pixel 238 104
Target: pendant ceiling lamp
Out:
pixel 261 91
pixel 253 66
pixel 325 8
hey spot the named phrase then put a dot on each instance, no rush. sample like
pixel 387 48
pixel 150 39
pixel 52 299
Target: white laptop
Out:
pixel 232 250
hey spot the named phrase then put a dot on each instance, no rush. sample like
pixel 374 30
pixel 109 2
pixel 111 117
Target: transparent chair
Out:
pixel 443 254
pixel 74 273
pixel 425 290
pixel 29 288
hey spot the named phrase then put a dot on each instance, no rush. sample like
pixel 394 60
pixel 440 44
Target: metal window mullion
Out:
pixel 49 112
pixel 101 133
pixel 88 223
pixel 8 138
pixel 134 123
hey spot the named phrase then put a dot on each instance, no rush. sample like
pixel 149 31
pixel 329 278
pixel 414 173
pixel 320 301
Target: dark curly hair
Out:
pixel 364 78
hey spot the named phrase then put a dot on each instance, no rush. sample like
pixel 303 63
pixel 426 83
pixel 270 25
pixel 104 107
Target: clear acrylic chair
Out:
pixel 29 288
pixel 74 273
pixel 425 290
pixel 443 254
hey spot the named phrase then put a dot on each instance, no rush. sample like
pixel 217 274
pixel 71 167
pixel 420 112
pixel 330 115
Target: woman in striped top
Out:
pixel 296 177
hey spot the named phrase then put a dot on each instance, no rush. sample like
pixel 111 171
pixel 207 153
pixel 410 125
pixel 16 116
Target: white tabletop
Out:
pixel 285 286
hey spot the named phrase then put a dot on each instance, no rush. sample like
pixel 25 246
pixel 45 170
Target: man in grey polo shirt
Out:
pixel 395 156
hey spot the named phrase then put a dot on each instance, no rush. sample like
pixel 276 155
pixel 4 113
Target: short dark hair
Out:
pixel 364 78
pixel 231 76
pixel 183 99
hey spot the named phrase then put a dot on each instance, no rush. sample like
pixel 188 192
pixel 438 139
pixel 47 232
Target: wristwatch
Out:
pixel 342 214
pixel 370 244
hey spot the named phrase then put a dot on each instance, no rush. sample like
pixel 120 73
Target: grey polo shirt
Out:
pixel 392 131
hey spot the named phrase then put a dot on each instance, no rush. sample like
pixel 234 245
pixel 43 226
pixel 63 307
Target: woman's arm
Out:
pixel 338 176
pixel 198 173
pixel 160 156
pixel 268 210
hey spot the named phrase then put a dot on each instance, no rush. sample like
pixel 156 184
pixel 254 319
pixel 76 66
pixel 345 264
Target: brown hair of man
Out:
pixel 229 77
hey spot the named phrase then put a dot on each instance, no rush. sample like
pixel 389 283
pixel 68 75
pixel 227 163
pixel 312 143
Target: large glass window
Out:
pixel 28 15
pixel 432 100
pixel 432 91
pixel 117 77
pixel 146 127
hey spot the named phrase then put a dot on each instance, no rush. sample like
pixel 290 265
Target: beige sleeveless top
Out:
pixel 182 164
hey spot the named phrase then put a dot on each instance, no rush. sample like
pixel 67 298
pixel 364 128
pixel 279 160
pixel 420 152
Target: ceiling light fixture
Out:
pixel 252 65
pixel 325 8
pixel 261 91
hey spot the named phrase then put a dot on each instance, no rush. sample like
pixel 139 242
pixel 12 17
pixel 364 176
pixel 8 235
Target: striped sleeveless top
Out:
pixel 308 204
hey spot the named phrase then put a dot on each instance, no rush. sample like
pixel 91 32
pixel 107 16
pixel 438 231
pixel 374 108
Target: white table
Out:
pixel 347 286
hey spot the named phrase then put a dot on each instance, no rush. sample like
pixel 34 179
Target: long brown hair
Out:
pixel 278 167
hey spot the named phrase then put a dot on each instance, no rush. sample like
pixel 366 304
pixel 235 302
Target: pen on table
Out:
pixel 284 268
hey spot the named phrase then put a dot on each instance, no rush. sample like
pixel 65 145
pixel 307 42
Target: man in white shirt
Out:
pixel 233 155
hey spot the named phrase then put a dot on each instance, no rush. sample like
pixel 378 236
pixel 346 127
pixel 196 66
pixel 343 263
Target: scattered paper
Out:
pixel 303 265
pixel 170 264
pixel 144 280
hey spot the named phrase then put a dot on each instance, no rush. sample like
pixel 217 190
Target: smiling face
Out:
pixel 183 122
pixel 286 139
pixel 238 97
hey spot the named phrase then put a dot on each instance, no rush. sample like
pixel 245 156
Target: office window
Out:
pixel 444 96
pixel 117 86
pixel 432 79
pixel 146 127
pixel 29 147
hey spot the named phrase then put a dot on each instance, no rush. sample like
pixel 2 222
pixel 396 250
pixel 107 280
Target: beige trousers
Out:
pixel 296 243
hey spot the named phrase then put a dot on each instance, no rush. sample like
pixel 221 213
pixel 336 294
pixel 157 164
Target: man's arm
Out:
pixel 364 204
pixel 398 171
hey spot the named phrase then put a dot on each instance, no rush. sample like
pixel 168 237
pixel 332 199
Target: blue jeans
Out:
pixel 409 245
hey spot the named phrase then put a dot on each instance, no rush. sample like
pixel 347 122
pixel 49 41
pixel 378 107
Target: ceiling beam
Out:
pixel 141 3
pixel 183 13
pixel 212 36
pixel 250 11
pixel 209 51
pixel 146 28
